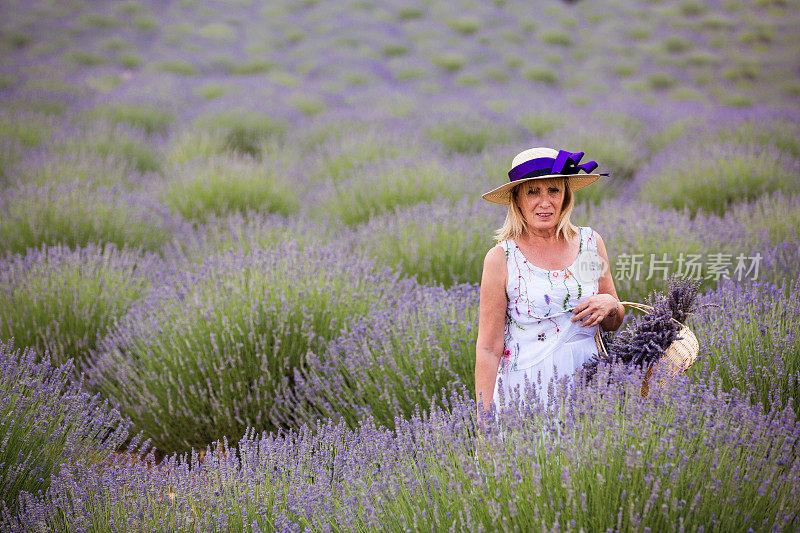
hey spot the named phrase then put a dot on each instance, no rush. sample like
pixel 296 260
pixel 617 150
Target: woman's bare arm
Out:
pixel 491 325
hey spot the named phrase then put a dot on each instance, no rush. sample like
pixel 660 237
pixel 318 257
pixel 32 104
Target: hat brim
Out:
pixel 501 195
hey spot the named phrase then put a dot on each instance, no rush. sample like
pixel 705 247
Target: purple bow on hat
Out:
pixel 565 163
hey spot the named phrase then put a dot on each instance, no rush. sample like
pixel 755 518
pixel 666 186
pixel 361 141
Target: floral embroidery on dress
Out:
pixel 508 343
pixel 539 300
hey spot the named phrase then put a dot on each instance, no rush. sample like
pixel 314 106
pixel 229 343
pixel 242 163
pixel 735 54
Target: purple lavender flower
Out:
pixel 49 423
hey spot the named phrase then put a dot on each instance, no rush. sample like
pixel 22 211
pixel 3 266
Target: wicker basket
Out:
pixel 678 357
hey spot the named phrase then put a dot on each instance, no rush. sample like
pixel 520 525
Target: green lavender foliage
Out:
pixel 33 216
pixel 383 373
pixel 435 243
pixel 385 185
pixel 60 302
pixel 222 185
pixel 712 177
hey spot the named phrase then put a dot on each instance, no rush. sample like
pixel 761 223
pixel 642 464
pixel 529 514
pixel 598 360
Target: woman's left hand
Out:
pixel 594 309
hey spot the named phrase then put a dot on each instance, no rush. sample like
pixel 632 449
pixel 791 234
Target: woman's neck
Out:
pixel 543 236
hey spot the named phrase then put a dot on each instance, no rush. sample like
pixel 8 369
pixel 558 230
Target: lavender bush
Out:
pixel 151 119
pixel 225 184
pixel 243 131
pixel 470 134
pixel 248 230
pixel 782 133
pixel 30 129
pixel 436 243
pixel 122 140
pixel 88 169
pixel 60 302
pixel 11 152
pixel 753 340
pixel 337 158
pixel 385 185
pixel 33 216
pixel 391 362
pixel 712 177
pixel 188 145
pixel 332 126
pixel 207 353
pixel 49 424
pixel 767 220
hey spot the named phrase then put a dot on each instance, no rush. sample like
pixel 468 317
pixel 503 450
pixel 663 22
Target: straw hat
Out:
pixel 540 163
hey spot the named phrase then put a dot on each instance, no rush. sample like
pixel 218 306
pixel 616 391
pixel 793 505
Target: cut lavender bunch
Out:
pixel 645 340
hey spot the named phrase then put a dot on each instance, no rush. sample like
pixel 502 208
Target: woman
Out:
pixel 544 289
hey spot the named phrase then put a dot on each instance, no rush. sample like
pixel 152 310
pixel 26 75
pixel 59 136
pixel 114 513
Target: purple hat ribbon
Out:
pixel 564 163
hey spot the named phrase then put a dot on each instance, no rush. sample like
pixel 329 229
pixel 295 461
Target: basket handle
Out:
pixel 645 309
pixel 601 347
pixel 648 309
pixel 639 307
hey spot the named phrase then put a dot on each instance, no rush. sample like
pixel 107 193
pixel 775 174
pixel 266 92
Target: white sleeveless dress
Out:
pixel 540 339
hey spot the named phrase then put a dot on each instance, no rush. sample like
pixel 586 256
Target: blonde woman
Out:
pixel 546 287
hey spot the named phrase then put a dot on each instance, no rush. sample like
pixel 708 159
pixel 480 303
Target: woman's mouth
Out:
pixel 544 216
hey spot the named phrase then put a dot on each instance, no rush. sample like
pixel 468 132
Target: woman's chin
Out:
pixel 542 225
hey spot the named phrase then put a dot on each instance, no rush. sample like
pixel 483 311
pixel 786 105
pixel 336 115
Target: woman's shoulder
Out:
pixel 495 266
pixel 497 254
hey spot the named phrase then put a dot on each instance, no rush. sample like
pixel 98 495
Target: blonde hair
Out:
pixel 515 224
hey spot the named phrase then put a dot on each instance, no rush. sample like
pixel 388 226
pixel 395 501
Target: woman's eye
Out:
pixel 553 190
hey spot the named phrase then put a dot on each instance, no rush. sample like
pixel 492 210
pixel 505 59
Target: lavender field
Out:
pixel 241 243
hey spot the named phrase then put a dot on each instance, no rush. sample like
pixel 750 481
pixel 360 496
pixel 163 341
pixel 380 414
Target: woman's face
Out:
pixel 540 202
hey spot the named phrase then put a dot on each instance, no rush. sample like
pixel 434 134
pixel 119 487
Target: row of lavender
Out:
pixel 688 455
pixel 307 58
pixel 77 302
pixel 98 183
